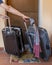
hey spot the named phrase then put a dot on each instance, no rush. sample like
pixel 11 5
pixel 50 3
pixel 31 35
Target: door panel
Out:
pixel 24 5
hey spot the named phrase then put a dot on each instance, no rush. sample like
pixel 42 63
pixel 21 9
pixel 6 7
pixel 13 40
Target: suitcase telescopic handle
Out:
pixel 31 23
pixel 8 18
pixel 26 26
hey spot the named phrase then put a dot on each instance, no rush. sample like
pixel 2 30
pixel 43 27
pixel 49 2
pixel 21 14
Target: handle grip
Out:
pixel 6 17
pixel 26 26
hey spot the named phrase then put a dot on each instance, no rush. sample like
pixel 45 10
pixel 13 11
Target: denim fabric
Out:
pixel 1 1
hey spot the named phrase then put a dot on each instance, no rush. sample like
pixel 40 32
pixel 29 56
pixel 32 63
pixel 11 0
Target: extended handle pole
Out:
pixel 26 26
pixel 6 17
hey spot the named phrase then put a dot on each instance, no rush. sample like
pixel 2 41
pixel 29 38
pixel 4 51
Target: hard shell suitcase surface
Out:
pixel 12 39
pixel 10 42
pixel 44 43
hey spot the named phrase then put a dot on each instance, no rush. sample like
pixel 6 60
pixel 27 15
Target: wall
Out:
pixel 2 25
pixel 45 17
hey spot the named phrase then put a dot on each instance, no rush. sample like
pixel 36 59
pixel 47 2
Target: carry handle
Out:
pixel 6 17
pixel 31 23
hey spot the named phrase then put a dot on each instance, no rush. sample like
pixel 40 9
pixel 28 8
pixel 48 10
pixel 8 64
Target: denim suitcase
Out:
pixel 44 43
pixel 29 34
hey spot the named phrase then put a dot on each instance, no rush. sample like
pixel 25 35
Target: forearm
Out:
pixel 14 11
pixel 11 10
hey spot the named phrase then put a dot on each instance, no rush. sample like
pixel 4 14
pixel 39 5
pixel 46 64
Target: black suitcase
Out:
pixel 44 43
pixel 12 39
pixel 19 36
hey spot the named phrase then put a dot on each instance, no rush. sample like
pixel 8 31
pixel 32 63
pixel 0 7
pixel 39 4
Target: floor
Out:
pixel 4 60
